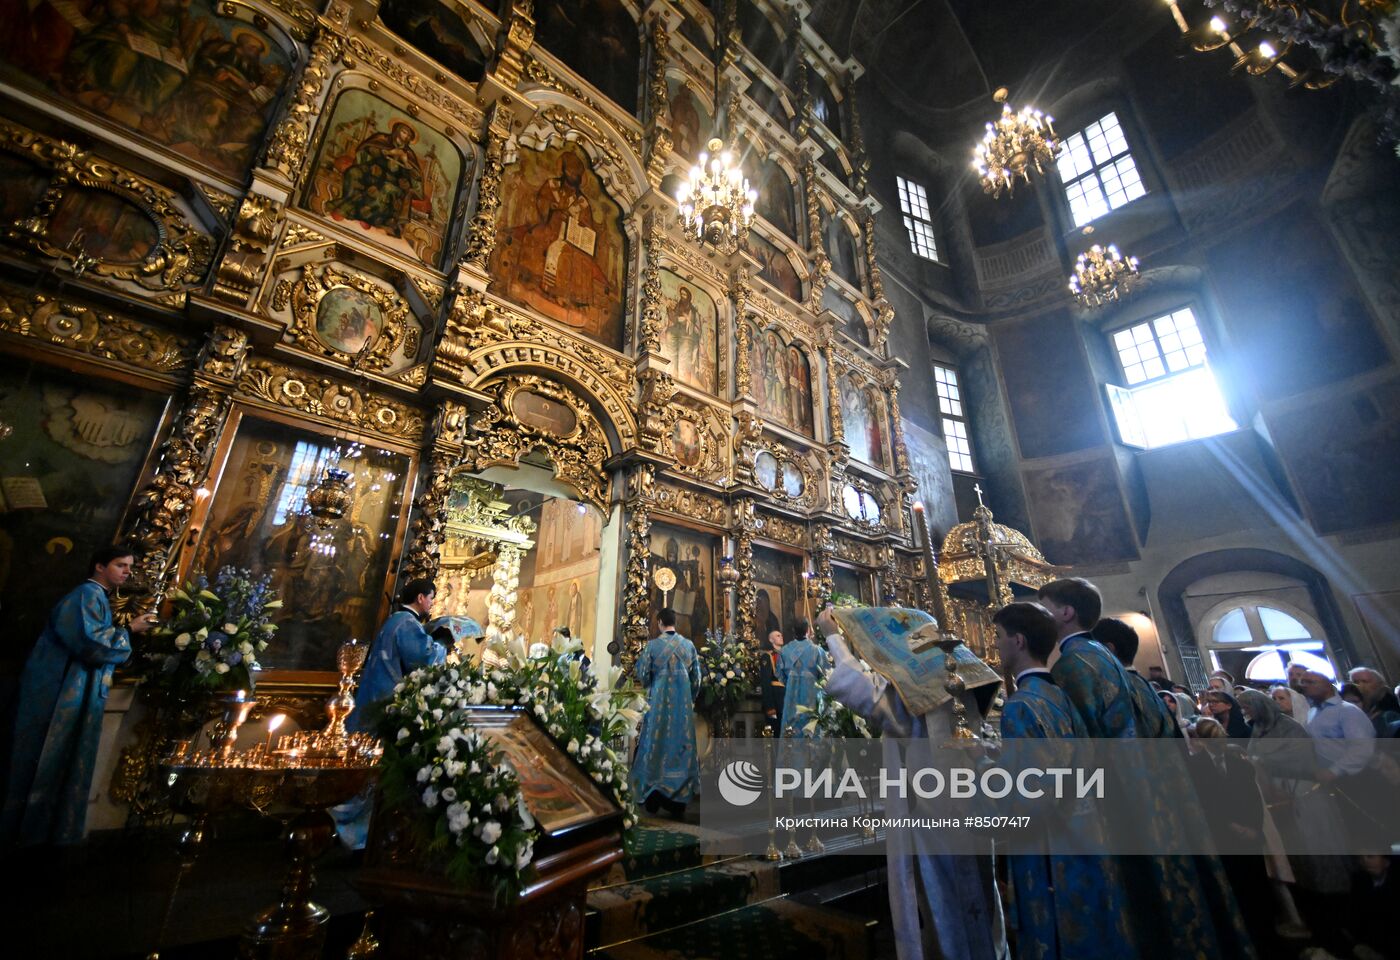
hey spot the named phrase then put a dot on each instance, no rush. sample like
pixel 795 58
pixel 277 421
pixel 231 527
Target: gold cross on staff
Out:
pixel 977 488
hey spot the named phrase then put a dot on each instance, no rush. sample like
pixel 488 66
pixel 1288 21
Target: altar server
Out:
pixel 666 769
pixel 401 647
pixel 800 665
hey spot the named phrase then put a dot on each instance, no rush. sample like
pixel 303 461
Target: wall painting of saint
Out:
pixel 560 248
pixel 386 174
pixel 862 417
pixel 348 320
pixel 775 267
pixel 690 120
pixel 440 31
pixel 201 84
pixel 689 332
pixel 600 40
pixel 781 380
pixel 103 225
pixel 774 193
pixel 686 443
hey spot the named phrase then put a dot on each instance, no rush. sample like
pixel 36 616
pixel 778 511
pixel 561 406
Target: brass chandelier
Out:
pixel 716 202
pixel 1103 276
pixel 1014 145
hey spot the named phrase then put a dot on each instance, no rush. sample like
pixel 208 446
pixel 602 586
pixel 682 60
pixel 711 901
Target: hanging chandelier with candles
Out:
pixel 716 201
pixel 1103 275
pixel 1014 145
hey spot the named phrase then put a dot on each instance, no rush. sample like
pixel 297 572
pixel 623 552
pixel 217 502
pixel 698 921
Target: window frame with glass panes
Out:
pixel 1097 170
pixel 918 218
pixel 955 427
pixel 1169 394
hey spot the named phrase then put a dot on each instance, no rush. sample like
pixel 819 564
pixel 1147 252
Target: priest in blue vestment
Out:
pixel 666 769
pixel 63 693
pixel 1070 907
pixel 1150 714
pixel 402 646
pixel 1181 906
pixel 800 665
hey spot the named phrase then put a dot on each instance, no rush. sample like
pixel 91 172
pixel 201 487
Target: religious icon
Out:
pixel 201 84
pixel 543 413
pixel 840 247
pixel 765 470
pixel 689 331
pixel 686 442
pixel 775 267
pixel 775 198
pixel 561 245
pixel 689 119
pixel 782 380
pixel 558 793
pixel 348 320
pixel 862 416
pixel 597 38
pixel 793 484
pixel 440 32
pixel 684 560
pixel 104 226
pixel 387 174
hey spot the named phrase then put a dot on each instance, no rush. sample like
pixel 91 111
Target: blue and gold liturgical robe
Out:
pixel 401 647
pixel 1180 906
pixel 63 692
pixel 800 666
pixel 666 761
pixel 1066 907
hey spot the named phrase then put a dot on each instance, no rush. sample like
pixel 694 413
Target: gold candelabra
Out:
pixel 1103 275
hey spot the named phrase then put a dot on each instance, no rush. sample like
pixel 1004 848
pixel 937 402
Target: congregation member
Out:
pixel 1157 676
pixel 1307 819
pixel 1377 700
pixel 62 697
pixel 1295 676
pixel 1374 905
pixel 666 769
pixel 1225 710
pixel 1166 894
pixel 770 688
pixel 800 665
pixel 1291 702
pixel 1220 680
pixel 1346 745
pixel 941 905
pixel 1068 907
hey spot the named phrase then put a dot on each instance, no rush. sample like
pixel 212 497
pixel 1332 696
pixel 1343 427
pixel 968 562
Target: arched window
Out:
pixel 1257 640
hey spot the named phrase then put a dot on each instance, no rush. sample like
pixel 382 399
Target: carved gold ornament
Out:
pixel 350 317
pixel 170 254
pixel 529 412
pixel 81 329
pixel 282 386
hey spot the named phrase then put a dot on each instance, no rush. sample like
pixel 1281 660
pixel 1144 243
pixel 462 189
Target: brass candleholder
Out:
pixel 236 706
pixel 956 687
pixel 772 854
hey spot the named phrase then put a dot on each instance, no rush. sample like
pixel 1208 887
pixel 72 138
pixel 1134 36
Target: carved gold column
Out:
pixel 649 326
pixel 636 596
pixel 822 548
pixel 658 105
pixel 860 160
pixel 286 150
pixel 160 513
pixel 429 527
pixel 821 263
pixel 505 585
pixel 515 41
pixel 481 235
pixel 833 396
pixel 746 589
pixel 740 290
pixel 240 270
pixel 884 312
pixel 802 125
pixel 656 389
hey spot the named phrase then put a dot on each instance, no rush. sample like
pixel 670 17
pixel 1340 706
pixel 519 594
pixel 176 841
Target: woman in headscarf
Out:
pixel 1291 702
pixel 1181 707
pixel 1307 819
pixel 1225 710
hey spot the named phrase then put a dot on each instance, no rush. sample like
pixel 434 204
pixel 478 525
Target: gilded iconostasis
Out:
pixel 422 241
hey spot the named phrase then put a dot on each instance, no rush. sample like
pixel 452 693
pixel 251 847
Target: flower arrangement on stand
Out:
pixel 462 791
pixel 828 718
pixel 214 634
pixel 728 675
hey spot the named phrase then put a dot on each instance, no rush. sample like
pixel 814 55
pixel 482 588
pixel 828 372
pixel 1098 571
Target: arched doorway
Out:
pixel 1255 639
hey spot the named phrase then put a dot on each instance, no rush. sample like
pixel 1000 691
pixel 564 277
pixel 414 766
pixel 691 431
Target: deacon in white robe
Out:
pixel 955 895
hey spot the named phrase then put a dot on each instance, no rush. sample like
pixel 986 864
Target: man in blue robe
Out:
pixel 63 693
pixel 1070 907
pixel 800 665
pixel 666 769
pixel 1150 714
pixel 1180 906
pixel 401 647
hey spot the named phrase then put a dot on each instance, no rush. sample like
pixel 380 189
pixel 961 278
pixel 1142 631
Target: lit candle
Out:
pixel 273 722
